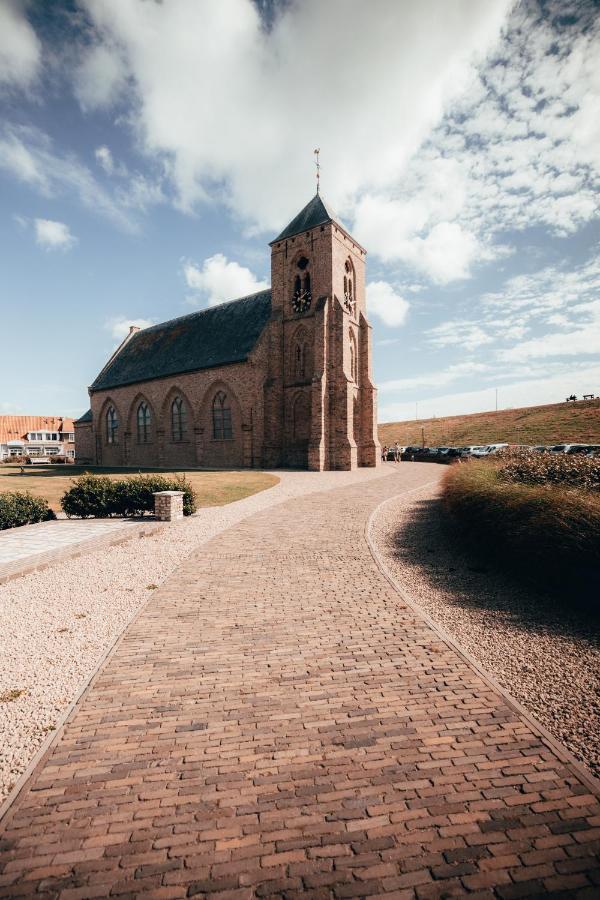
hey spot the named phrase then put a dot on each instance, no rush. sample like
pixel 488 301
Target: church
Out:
pixel 282 378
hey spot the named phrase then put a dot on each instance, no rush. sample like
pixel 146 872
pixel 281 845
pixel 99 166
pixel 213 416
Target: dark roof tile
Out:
pixel 314 213
pixel 216 336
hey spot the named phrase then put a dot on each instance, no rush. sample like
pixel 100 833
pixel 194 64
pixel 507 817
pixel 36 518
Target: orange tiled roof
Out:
pixel 16 428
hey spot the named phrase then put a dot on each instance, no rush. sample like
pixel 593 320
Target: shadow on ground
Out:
pixel 470 580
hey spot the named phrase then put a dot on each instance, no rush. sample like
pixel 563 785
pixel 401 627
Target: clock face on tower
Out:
pixel 301 302
pixel 301 297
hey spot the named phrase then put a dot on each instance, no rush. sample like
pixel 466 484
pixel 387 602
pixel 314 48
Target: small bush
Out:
pixel 100 497
pixel 543 530
pixel 90 496
pixel 20 508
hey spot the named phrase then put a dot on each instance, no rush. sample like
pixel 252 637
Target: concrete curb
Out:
pixel 580 771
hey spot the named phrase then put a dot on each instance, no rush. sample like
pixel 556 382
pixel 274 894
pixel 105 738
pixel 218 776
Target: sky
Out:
pixel 149 151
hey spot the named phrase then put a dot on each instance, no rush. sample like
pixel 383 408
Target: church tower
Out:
pixel 320 400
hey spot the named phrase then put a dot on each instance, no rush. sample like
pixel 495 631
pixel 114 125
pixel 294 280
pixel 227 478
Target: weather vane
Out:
pixel 316 152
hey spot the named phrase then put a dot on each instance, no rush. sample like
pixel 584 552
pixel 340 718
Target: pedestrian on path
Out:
pixel 384 453
pixel 397 452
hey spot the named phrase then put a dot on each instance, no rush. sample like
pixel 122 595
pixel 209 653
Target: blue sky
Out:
pixel 149 151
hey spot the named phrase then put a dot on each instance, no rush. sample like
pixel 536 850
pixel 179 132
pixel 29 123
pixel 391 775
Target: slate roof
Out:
pixel 314 213
pixel 86 417
pixel 212 337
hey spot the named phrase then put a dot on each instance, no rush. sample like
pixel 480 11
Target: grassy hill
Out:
pixel 552 424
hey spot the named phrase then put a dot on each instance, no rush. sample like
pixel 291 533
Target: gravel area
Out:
pixel 55 625
pixel 543 650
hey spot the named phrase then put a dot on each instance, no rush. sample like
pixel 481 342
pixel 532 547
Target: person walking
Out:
pixel 397 452
pixel 384 452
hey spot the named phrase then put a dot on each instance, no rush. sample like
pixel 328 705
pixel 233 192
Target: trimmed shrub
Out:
pixel 90 496
pixel 20 508
pixel 134 496
pixel 100 497
pixel 545 531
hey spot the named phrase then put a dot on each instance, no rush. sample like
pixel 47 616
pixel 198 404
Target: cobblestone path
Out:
pixel 277 722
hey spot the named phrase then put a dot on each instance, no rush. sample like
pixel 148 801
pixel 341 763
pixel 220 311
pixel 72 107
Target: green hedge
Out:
pixel 544 531
pixel 99 496
pixel 20 508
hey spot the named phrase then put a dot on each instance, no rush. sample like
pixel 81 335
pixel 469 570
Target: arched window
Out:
pixel 112 425
pixel 302 294
pixel 221 414
pixel 349 287
pixel 301 360
pixel 178 419
pixel 143 423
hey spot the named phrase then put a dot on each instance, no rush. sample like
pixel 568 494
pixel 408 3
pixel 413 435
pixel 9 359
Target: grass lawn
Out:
pixel 557 423
pixel 214 488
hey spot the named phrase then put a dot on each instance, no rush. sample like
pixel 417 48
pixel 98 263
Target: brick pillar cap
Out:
pixel 168 493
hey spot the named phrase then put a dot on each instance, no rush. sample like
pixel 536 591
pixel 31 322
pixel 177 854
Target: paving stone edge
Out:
pixel 564 754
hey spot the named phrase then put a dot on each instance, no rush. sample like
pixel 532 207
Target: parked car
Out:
pixel 565 448
pixel 582 449
pixel 470 450
pixel 454 452
pixel 541 448
pixel 490 449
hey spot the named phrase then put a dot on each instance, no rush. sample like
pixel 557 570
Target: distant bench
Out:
pixel 39 461
pixel 588 397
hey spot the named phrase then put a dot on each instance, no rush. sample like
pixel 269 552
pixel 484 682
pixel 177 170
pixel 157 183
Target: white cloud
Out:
pixel 119 326
pixel 467 335
pixel 224 101
pixel 20 49
pixel 551 388
pixel 386 304
pixel 53 235
pixel 100 77
pixel 29 155
pixel 105 159
pixel 435 379
pixel 220 279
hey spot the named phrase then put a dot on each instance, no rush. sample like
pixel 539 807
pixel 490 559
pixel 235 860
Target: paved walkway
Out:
pixel 26 548
pixel 276 722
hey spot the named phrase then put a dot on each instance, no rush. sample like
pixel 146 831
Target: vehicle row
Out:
pixel 478 451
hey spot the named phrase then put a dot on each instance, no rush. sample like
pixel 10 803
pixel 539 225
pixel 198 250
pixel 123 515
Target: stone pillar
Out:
pixel 199 445
pixel 168 505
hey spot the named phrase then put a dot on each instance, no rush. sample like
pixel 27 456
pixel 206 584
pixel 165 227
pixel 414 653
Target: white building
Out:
pixel 36 436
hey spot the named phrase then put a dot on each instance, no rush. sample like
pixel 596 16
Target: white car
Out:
pixel 491 448
pixel 472 450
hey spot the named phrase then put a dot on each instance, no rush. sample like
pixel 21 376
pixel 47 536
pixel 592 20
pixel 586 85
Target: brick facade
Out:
pixel 304 397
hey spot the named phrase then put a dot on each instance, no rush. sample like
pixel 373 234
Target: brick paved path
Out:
pixel 277 723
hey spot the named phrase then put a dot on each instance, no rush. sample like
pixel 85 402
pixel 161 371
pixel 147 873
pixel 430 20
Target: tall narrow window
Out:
pixel 178 419
pixel 112 426
pixel 143 423
pixel 222 427
pixel 349 279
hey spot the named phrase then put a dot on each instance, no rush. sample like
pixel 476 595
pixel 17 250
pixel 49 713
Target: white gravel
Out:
pixel 543 650
pixel 55 625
